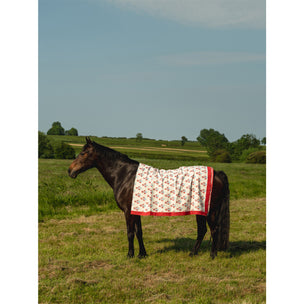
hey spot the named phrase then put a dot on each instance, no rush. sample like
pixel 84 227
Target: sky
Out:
pixel 166 69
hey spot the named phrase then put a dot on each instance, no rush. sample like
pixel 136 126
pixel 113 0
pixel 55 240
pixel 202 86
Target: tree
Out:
pixel 212 140
pixel 45 149
pixel 263 141
pixel 246 142
pixel 72 132
pixel 139 137
pixel 184 140
pixel 56 129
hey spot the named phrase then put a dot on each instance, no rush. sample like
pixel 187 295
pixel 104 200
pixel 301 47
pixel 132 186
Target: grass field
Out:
pixel 83 244
pixel 147 148
pixel 128 142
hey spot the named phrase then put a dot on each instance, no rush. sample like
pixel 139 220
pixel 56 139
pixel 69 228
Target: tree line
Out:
pixel 247 148
pixel 49 149
pixel 57 129
pixel 59 150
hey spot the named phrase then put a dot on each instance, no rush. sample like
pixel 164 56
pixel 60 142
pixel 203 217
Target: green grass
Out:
pixel 83 243
pixel 128 142
pixel 192 151
pixel 83 260
pixel 163 154
pixel 60 196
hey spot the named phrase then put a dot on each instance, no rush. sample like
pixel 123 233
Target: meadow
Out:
pixel 83 243
pixel 128 142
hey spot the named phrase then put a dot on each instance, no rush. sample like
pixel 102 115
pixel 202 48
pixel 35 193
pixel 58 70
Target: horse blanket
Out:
pixel 183 191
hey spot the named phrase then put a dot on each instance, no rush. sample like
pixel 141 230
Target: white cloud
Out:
pixel 207 13
pixel 210 58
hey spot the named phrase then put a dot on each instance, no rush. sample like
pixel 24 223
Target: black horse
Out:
pixel 120 171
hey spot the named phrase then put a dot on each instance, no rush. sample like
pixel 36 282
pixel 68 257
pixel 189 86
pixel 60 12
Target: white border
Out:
pixel 285 86
pixel 19 165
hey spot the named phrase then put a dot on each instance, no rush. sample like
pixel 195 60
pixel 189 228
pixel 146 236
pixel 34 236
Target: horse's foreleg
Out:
pixel 130 221
pixel 201 231
pixel 142 250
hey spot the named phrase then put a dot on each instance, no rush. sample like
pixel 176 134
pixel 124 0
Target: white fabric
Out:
pixel 186 190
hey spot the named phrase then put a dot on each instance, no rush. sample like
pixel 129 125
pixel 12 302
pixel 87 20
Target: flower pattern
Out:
pixel 183 191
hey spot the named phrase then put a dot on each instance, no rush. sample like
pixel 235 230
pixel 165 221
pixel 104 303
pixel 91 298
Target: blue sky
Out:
pixel 163 68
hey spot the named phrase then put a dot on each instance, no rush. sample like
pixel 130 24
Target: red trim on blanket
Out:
pixel 209 188
pixel 169 213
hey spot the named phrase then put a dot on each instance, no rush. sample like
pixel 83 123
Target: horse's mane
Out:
pixel 112 154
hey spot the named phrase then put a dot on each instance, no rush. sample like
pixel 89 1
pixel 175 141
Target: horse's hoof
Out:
pixel 142 256
pixel 192 254
pixel 130 256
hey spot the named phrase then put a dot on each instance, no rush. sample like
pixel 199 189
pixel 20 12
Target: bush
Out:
pixel 48 149
pixel 63 151
pixel 45 149
pixel 221 156
pixel 258 157
pixel 247 152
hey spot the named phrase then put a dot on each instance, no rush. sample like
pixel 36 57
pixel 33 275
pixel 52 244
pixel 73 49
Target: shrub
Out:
pixel 63 151
pixel 246 153
pixel 221 156
pixel 45 149
pixel 258 157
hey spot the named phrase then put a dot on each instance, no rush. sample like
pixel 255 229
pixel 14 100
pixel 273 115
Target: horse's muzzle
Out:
pixel 72 173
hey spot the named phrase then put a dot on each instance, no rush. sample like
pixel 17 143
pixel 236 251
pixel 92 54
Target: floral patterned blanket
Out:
pixel 183 191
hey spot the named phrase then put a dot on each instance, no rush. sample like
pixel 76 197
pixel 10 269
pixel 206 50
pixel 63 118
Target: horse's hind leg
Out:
pixel 201 231
pixel 142 250
pixel 212 222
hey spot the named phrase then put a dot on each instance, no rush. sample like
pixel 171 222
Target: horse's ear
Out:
pixel 88 140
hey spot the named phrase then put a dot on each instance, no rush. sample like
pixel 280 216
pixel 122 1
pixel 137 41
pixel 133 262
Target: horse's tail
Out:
pixel 224 214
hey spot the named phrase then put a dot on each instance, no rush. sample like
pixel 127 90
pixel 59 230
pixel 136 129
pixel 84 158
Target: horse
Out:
pixel 119 171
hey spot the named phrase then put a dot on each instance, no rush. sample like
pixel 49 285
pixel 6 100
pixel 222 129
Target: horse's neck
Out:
pixel 106 169
pixel 110 169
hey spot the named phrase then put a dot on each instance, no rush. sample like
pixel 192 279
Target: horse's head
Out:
pixel 84 161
